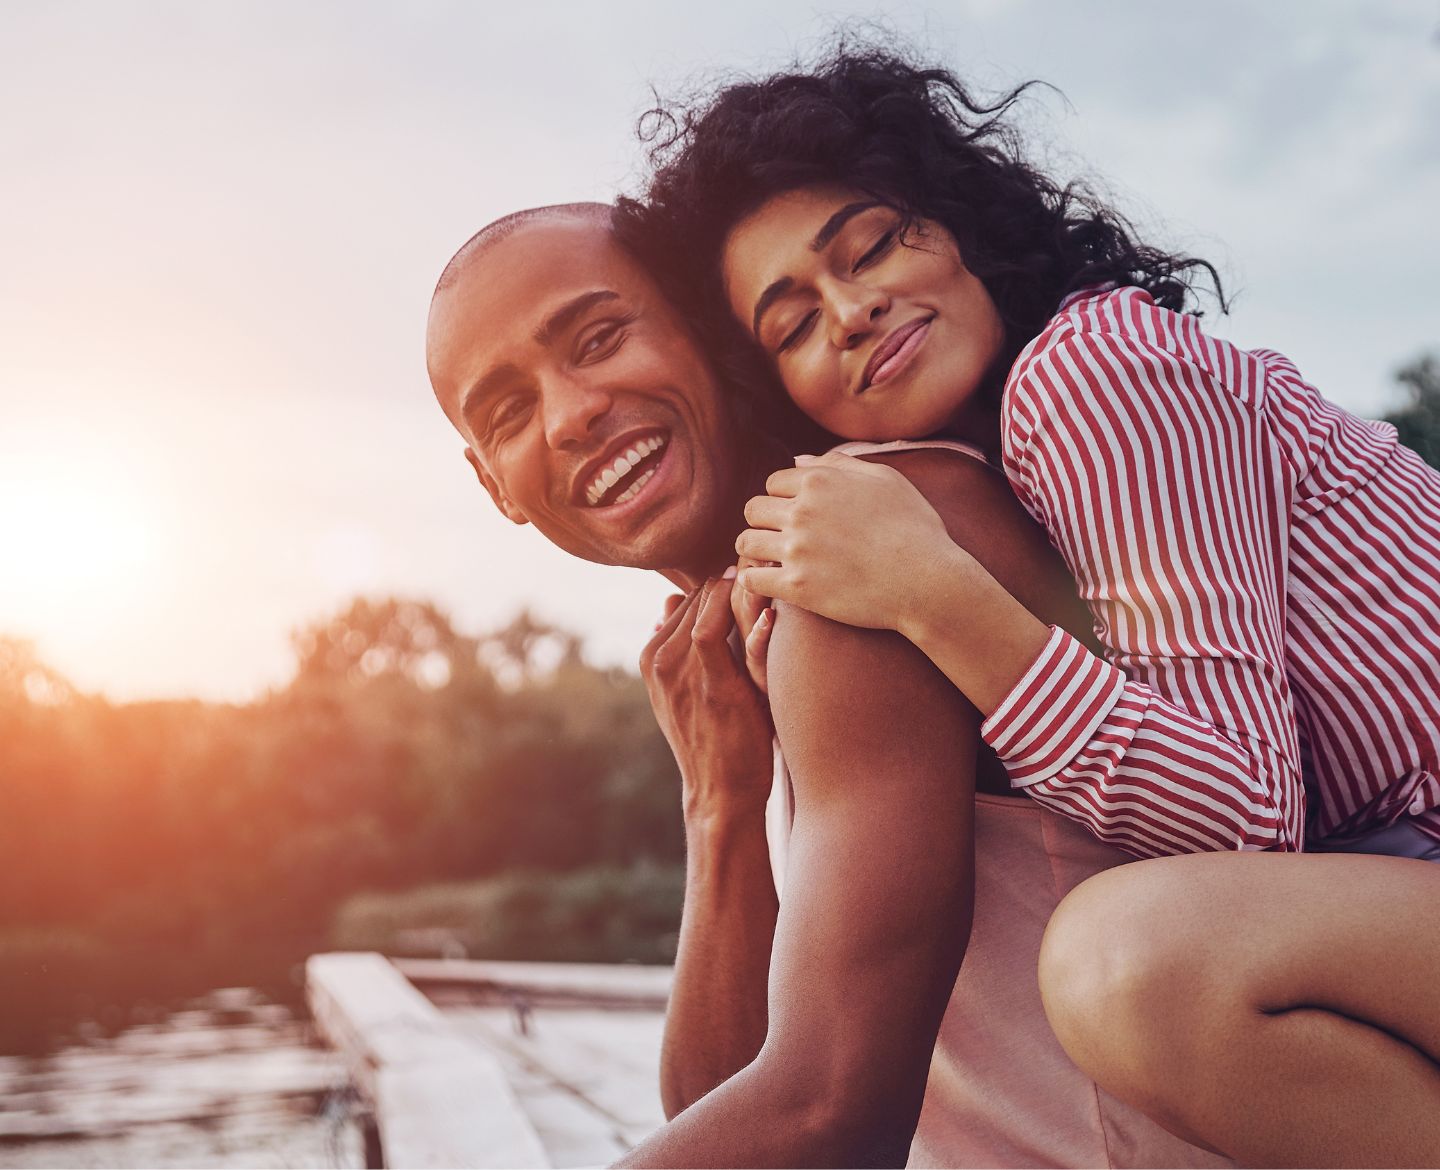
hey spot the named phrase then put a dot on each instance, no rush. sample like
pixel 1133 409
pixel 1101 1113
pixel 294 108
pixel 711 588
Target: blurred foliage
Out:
pixel 156 849
pixel 600 915
pixel 1419 421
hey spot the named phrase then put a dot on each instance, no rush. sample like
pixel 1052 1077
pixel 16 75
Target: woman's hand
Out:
pixel 848 539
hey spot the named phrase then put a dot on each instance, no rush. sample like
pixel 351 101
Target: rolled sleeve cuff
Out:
pixel 1053 711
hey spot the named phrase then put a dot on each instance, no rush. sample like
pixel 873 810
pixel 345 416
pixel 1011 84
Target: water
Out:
pixel 230 1079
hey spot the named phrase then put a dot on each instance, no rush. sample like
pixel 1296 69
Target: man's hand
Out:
pixel 719 728
pixel 755 619
pixel 715 719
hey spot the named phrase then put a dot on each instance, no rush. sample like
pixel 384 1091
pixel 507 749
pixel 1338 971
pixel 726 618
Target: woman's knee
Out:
pixel 1118 972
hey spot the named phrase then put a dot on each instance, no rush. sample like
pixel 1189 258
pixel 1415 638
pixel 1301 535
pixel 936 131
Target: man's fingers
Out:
pixel 760 544
pixel 676 619
pixel 671 603
pixel 757 648
pixel 767 512
pixel 745 605
pixel 713 618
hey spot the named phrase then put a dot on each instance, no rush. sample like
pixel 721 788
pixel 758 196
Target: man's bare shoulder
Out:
pixel 850 702
pixel 959 484
pixel 983 516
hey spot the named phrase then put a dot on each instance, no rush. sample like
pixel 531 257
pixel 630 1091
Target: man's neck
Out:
pixel 717 553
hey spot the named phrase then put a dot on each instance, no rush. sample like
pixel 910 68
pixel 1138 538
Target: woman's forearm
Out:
pixel 969 626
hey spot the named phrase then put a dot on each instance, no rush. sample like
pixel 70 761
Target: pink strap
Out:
pixel 865 448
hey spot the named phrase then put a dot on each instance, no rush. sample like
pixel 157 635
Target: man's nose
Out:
pixel 854 311
pixel 571 407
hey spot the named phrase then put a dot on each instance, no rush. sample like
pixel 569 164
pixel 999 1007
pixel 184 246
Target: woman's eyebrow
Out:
pixel 773 293
pixel 828 231
pixel 831 227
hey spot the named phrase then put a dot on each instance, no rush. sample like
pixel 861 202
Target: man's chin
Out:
pixel 663 544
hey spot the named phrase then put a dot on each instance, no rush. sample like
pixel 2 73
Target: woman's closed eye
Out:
pixel 797 335
pixel 875 251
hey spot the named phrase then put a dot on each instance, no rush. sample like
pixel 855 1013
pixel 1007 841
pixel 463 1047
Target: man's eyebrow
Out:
pixel 828 231
pixel 485 387
pixel 570 311
pixel 563 317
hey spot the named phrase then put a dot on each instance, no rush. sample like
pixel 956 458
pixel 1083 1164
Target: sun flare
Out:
pixel 71 547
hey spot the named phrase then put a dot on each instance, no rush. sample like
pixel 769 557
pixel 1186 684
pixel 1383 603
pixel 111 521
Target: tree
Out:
pixel 1419 422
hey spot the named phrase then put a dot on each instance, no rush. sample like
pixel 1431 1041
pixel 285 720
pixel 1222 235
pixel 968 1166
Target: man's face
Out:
pixel 587 409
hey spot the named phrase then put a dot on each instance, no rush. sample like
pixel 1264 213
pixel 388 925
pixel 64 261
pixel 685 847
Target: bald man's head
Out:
pixel 598 214
pixel 585 403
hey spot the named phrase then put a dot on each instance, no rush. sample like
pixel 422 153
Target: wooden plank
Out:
pixel 590 984
pixel 608 1060
pixel 572 1130
pixel 438 1100
pixel 588 1053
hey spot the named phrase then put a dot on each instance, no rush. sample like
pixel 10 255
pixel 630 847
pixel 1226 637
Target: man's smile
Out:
pixel 626 466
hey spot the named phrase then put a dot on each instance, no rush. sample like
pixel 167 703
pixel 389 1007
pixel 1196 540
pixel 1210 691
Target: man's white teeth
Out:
pixel 623 464
pixel 635 487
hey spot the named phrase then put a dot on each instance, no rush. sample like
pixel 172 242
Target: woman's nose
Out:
pixel 854 314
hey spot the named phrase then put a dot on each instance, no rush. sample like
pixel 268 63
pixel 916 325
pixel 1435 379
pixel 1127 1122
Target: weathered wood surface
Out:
pixel 588 1078
pixel 587 984
pixel 439 1100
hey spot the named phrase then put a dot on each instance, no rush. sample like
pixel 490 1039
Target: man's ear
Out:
pixel 487 481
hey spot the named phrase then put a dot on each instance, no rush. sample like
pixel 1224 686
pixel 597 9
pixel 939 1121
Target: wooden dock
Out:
pixel 486 1064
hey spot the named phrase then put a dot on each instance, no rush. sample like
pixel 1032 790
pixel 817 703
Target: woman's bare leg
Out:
pixel 1282 1009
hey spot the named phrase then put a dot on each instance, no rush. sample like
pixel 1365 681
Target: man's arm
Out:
pixel 718 726
pixel 876 914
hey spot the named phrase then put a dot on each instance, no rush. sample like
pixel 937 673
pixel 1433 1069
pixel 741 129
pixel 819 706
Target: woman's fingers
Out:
pixel 760 544
pixel 785 482
pixel 767 512
pixel 757 647
pixel 765 580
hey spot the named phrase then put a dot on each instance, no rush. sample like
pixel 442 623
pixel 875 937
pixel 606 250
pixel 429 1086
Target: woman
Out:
pixel 1242 545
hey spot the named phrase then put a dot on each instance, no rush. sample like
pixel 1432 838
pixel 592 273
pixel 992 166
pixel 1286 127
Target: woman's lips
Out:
pixel 895 352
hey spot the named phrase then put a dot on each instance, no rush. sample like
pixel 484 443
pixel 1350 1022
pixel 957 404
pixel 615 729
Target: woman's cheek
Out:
pixel 808 386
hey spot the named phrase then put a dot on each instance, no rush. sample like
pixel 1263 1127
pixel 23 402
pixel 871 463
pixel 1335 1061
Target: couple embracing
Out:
pixel 1074 798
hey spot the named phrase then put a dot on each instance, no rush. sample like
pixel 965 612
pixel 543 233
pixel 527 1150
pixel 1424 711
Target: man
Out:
pixel 799 1033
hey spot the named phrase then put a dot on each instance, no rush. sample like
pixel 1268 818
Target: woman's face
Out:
pixel 874 337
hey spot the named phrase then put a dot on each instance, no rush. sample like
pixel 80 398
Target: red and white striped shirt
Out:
pixel 1263 569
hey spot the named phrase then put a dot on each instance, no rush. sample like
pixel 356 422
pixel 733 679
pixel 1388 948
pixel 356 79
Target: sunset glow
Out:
pixel 215 420
pixel 73 542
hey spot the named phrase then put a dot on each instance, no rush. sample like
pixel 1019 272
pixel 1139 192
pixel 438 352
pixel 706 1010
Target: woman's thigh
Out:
pixel 1283 1009
pixel 1353 934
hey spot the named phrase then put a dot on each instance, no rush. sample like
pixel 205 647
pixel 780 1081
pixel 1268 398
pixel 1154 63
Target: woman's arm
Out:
pixel 1166 496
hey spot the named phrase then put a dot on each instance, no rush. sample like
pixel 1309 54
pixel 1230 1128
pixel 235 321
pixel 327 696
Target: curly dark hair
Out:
pixel 910 135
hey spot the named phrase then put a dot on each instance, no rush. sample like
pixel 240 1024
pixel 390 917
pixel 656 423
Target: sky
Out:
pixel 222 223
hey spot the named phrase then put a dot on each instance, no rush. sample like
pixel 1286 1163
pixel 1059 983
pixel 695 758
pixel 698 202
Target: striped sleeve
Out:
pixel 1168 500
